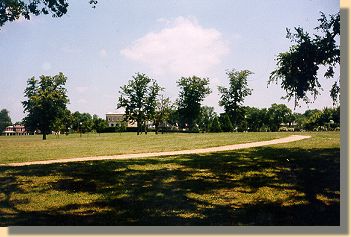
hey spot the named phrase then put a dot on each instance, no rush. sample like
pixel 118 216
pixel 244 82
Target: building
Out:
pixel 15 130
pixel 114 119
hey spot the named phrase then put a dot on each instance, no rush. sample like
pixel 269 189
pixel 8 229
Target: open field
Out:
pixel 31 148
pixel 287 184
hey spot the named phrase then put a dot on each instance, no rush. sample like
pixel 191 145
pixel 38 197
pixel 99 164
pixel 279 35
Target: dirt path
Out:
pixel 166 153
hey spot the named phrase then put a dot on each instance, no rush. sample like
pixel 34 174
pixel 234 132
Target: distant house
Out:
pixel 114 119
pixel 15 130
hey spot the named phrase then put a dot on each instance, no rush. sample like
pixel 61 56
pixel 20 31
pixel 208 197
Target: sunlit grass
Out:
pixel 287 184
pixel 31 148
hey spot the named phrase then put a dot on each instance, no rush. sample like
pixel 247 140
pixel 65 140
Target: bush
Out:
pixel 283 129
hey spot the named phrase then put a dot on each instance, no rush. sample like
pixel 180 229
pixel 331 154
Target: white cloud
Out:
pixel 183 47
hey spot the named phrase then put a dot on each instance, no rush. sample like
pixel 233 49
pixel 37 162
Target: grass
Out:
pixel 31 148
pixel 295 183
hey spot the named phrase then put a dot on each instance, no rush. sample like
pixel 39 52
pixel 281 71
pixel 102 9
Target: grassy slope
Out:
pixel 286 184
pixel 30 148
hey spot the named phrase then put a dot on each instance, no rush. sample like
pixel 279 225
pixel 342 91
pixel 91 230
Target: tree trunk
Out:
pixel 145 128
pixel 138 127
pixel 44 135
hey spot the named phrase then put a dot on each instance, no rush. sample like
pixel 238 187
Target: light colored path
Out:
pixel 166 153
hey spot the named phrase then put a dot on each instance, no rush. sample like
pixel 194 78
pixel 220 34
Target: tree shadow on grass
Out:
pixel 261 186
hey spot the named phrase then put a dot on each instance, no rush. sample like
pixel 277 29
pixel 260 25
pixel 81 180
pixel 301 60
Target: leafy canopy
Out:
pixel 139 98
pixel 193 91
pixel 5 120
pixel 11 10
pixel 233 97
pixel 46 102
pixel 297 68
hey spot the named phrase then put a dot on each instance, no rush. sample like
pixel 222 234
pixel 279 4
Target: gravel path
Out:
pixel 166 153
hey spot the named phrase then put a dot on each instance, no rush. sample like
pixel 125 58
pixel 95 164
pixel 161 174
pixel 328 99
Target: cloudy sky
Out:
pixel 100 49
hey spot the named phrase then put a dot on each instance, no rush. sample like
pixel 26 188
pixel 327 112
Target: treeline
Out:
pixel 278 117
pixel 147 108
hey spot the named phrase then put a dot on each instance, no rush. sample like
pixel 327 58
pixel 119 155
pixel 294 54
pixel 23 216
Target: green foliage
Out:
pixel 193 90
pixel 82 122
pixel 297 68
pixel 99 124
pixel 233 97
pixel 277 114
pixel 226 124
pixel 215 125
pixel 5 120
pixel 206 116
pixel 139 98
pixel 63 124
pixel 327 119
pixel 46 102
pixel 162 114
pixel 11 10
pixel 256 119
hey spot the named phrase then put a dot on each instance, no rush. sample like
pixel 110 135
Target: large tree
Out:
pixel 193 91
pixel 278 114
pixel 5 120
pixel 46 102
pixel 11 10
pixel 298 67
pixel 232 98
pixel 139 98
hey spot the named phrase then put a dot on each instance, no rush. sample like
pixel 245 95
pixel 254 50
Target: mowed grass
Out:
pixel 287 184
pixel 31 148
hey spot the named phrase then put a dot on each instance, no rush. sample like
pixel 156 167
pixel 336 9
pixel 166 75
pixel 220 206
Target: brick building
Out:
pixel 15 130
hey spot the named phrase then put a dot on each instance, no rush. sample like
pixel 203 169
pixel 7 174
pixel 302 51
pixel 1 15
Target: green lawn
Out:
pixel 287 184
pixel 30 148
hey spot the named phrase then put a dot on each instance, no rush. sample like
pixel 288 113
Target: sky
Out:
pixel 100 49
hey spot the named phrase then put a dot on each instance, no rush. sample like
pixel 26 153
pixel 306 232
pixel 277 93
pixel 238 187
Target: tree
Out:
pixel 46 102
pixel 215 125
pixel 63 123
pixel 99 124
pixel 312 120
pixel 11 10
pixel 193 90
pixel 82 122
pixel 278 113
pixel 206 116
pixel 226 124
pixel 255 118
pixel 5 120
pixel 233 97
pixel 297 69
pixel 162 113
pixel 138 98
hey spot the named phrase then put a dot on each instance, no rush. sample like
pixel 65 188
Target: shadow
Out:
pixel 254 187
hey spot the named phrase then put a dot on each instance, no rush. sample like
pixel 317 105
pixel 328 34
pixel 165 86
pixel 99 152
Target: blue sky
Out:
pixel 100 49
